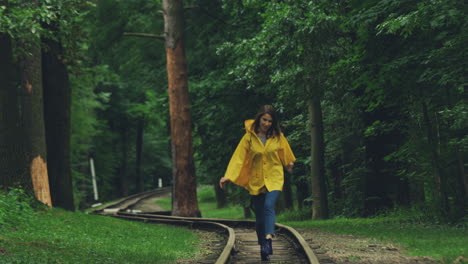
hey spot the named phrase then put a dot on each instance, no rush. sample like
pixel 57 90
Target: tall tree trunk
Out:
pixel 13 161
pixel 139 149
pixel 462 178
pixel 57 104
pixel 416 192
pixel 461 192
pixel 22 135
pixel 184 189
pixel 337 177
pixel 287 193
pixel 319 192
pixel 221 200
pixel 32 116
pixel 302 184
pixel 461 188
pixel 123 162
pixel 247 212
pixel 438 191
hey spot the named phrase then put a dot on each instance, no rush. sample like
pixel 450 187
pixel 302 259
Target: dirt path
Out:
pixel 351 249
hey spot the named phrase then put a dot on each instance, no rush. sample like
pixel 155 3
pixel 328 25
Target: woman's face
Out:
pixel 265 122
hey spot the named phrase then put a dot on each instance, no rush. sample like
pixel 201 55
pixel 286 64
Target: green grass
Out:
pixel 57 236
pixel 444 243
pixel 165 203
pixel 207 205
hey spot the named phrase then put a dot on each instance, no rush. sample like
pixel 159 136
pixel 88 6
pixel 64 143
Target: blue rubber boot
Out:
pixel 264 254
pixel 268 247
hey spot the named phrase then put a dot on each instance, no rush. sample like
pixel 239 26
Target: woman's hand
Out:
pixel 289 167
pixel 222 181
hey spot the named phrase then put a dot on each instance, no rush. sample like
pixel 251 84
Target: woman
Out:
pixel 257 165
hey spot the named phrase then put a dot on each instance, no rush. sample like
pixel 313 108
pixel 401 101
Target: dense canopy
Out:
pixel 371 96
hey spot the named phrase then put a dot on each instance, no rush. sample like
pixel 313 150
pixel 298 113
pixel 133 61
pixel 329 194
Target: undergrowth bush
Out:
pixel 419 214
pixel 15 207
pixel 295 215
pixel 206 194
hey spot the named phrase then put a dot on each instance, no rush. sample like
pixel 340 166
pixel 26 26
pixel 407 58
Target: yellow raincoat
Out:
pixel 254 165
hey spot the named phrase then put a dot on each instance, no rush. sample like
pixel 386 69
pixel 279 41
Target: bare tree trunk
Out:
pixel 337 177
pixel 461 189
pixel 221 200
pixel 302 184
pixel 462 178
pixel 287 193
pixel 319 193
pixel 32 116
pixel 438 191
pixel 13 161
pixel 57 104
pixel 139 148
pixel 22 144
pixel 123 163
pixel 247 212
pixel 184 189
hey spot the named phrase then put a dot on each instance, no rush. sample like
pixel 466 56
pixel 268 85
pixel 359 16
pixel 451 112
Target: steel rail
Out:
pixel 195 222
pixel 228 248
pixel 137 198
pixel 304 246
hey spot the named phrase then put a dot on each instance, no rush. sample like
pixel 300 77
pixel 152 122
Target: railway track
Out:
pixel 237 241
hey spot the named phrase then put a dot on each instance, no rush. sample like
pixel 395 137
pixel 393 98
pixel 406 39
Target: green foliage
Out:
pixel 373 64
pixel 295 215
pixel 15 207
pixel 206 194
pixel 22 19
pixel 85 125
pixel 118 85
pixel 61 20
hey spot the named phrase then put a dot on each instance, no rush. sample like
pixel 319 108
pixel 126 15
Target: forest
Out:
pixel 370 94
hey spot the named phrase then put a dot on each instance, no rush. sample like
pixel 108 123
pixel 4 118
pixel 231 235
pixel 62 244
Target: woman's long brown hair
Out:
pixel 275 128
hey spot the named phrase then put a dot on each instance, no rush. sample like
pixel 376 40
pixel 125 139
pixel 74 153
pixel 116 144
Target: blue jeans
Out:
pixel 264 206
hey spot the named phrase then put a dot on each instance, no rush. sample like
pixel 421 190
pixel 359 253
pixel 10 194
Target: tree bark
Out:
pixel 221 200
pixel 302 184
pixel 57 105
pixel 13 171
pixel 247 212
pixel 184 189
pixel 22 142
pixel 303 193
pixel 461 188
pixel 462 177
pixel 139 149
pixel 319 193
pixel 123 163
pixel 337 177
pixel 438 190
pixel 287 193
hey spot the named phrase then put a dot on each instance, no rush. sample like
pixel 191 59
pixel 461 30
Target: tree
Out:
pixel 184 191
pixel 12 170
pixel 31 120
pixel 23 140
pixel 24 161
pixel 57 104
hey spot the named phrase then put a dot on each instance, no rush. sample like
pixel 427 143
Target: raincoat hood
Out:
pixel 248 125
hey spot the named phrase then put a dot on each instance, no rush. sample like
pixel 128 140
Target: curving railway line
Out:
pixel 237 241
